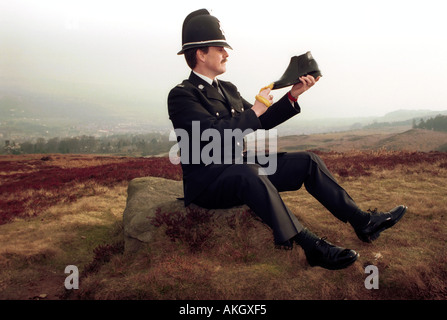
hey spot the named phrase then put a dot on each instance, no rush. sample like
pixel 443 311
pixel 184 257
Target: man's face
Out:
pixel 215 61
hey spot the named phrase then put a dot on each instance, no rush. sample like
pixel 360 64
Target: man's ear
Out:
pixel 200 55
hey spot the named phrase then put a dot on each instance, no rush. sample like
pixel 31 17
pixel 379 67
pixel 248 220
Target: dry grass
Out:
pixel 239 260
pixel 35 250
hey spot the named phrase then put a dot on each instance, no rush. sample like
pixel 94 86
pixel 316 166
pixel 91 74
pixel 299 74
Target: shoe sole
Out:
pixel 388 224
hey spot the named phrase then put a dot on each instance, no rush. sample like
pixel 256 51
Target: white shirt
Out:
pixel 208 80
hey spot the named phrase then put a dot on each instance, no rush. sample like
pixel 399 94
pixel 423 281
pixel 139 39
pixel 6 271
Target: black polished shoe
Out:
pixel 380 221
pixel 331 257
pixel 299 66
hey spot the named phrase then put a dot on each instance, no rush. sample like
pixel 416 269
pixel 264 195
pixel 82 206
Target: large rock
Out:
pixel 144 197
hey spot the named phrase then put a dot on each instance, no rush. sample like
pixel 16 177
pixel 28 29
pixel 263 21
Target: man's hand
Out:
pixel 259 108
pixel 306 83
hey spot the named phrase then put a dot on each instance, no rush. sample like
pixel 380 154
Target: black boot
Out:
pixel 322 253
pixel 331 257
pixel 299 66
pixel 378 222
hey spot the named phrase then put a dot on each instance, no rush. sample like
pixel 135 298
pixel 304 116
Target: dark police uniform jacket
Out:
pixel 196 100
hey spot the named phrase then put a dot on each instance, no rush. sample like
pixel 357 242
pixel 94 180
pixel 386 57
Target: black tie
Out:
pixel 216 85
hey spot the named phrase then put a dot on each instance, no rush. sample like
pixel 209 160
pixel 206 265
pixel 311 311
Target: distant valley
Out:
pixel 25 114
pixel 397 138
pixel 27 117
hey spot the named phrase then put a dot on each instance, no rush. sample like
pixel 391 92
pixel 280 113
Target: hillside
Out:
pixel 394 139
pixel 60 210
pixel 29 114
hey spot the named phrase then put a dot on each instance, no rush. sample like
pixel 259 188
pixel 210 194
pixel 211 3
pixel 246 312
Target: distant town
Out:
pixel 149 137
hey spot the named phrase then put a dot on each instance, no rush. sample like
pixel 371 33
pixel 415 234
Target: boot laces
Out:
pixel 322 242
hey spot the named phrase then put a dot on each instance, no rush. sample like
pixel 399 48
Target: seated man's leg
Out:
pixel 241 184
pixel 295 169
pixel 298 168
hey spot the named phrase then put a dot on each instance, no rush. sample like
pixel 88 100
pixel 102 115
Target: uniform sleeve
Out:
pixel 278 113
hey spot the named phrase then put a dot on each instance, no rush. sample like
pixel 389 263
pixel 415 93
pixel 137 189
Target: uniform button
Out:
pixel 242 108
pixel 217 114
pixel 232 110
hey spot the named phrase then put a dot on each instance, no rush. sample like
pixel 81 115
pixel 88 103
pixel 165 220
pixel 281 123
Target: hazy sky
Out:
pixel 375 56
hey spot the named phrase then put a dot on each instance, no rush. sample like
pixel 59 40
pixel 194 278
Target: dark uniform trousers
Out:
pixel 227 185
pixel 242 184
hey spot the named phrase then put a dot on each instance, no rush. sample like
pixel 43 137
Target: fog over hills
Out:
pixel 25 114
pixel 82 67
pixel 405 118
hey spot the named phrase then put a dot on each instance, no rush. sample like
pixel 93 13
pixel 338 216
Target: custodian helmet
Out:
pixel 200 29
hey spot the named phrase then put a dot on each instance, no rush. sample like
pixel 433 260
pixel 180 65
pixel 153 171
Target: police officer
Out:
pixel 202 102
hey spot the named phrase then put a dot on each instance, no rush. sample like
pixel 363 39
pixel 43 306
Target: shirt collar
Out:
pixel 208 80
